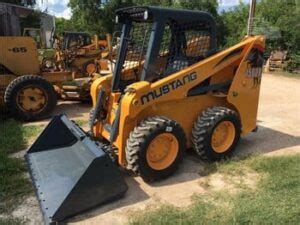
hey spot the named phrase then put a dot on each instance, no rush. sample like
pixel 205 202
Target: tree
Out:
pixel 96 16
pixel 279 22
pixel 62 25
pixel 283 16
pixel 208 6
pixel 234 24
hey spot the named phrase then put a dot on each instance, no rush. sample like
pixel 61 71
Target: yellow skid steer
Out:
pixel 171 90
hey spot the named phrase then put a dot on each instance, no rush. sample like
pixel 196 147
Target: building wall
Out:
pixel 9 21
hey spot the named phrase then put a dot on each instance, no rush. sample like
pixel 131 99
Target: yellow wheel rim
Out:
pixel 31 99
pixel 223 136
pixel 90 68
pixel 162 151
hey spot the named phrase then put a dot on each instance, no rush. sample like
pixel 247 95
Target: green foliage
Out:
pixel 208 6
pixel 99 18
pixel 10 221
pixel 95 17
pixel 62 25
pixel 15 137
pixel 284 16
pixel 235 24
pixel 274 201
pixel 278 22
pixel 13 184
pixel 33 20
pixel 294 62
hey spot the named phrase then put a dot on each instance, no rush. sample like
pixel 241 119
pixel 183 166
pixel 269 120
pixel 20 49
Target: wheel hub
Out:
pixel 31 99
pixel 223 136
pixel 162 151
pixel 90 68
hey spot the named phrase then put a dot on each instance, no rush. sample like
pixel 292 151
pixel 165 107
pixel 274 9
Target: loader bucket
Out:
pixel 70 172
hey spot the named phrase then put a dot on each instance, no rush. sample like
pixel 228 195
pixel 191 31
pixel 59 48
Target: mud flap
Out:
pixel 70 172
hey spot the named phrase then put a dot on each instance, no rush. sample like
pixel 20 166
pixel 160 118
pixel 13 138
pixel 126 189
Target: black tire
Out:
pixel 203 130
pixel 139 140
pixel 17 85
pixel 109 150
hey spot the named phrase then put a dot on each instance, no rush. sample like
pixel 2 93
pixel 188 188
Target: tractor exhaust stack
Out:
pixel 251 17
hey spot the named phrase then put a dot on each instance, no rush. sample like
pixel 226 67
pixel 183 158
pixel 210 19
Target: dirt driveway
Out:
pixel 279 133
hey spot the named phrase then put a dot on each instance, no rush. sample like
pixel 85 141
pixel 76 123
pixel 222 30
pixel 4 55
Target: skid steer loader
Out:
pixel 171 90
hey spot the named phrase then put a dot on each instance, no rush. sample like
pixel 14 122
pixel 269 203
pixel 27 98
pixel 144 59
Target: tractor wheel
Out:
pixel 216 133
pixel 155 148
pixel 30 97
pixel 89 67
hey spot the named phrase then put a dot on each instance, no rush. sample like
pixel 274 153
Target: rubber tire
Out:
pixel 203 129
pixel 138 142
pixel 109 150
pixel 16 85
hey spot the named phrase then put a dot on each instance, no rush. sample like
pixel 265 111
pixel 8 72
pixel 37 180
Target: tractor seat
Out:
pixel 178 63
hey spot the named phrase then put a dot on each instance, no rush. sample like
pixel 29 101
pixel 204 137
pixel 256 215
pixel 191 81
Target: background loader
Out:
pixel 77 51
pixel 29 91
pixel 171 90
pixel 31 80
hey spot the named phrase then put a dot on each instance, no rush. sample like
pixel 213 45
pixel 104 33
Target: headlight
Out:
pixel 117 19
pixel 146 15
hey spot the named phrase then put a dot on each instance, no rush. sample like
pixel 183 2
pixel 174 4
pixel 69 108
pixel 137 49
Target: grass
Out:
pixel 81 123
pixel 13 183
pixel 10 221
pixel 15 137
pixel 276 199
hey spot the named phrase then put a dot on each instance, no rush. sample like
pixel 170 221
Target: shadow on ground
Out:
pixel 72 109
pixel 134 195
pixel 265 140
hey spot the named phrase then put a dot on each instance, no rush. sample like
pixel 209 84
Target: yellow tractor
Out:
pixel 171 90
pixel 29 83
pixel 78 52
pixel 29 90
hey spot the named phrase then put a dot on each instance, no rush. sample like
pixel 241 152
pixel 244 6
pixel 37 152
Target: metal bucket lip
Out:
pixel 46 217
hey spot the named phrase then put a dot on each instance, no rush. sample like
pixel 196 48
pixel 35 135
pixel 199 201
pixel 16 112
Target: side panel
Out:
pixel 184 111
pixel 244 91
pixel 19 55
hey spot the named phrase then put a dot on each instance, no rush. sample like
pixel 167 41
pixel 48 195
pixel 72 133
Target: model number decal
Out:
pixel 18 49
pixel 168 87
